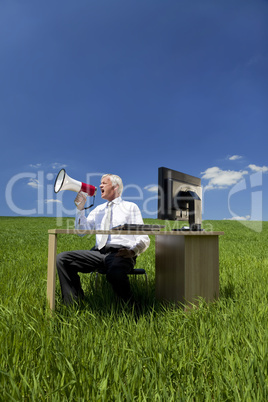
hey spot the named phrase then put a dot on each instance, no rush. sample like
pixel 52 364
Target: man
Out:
pixel 114 255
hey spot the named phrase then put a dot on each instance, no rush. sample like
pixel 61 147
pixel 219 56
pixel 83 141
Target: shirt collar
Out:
pixel 115 201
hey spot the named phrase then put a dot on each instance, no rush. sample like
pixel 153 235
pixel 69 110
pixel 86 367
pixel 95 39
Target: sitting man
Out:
pixel 114 255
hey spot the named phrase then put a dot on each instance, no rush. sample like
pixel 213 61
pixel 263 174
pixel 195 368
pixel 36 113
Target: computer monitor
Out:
pixel 179 197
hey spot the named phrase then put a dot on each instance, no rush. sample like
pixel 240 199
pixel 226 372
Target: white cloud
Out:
pixel 34 183
pixel 152 188
pixel 53 165
pixel 238 218
pixel 235 157
pixel 36 166
pixel 57 165
pixel 50 201
pixel 258 168
pixel 218 179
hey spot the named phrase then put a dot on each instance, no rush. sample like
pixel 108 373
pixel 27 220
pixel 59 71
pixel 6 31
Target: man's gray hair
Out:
pixel 116 181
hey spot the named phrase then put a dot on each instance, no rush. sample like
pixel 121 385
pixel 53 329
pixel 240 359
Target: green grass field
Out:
pixel 99 352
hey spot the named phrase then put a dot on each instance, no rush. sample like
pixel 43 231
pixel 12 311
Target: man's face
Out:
pixel 108 192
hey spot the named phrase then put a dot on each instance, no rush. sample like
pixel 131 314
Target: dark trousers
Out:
pixel 69 263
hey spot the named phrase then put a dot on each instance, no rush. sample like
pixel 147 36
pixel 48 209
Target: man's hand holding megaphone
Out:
pixel 80 201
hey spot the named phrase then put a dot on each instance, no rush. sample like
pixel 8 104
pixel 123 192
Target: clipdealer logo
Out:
pixel 254 219
pixel 46 204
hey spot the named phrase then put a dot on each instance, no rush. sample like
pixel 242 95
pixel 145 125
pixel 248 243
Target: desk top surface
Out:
pixel 135 232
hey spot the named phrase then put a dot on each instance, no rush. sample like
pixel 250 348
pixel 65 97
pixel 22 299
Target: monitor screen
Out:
pixel 179 196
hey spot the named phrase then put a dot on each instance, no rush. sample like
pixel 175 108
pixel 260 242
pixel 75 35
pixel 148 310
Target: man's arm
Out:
pixel 126 253
pixel 142 241
pixel 81 221
pixel 141 245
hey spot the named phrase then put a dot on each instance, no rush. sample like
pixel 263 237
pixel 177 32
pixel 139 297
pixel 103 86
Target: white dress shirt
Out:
pixel 122 212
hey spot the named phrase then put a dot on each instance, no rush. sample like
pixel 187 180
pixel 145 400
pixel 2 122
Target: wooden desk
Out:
pixel 186 263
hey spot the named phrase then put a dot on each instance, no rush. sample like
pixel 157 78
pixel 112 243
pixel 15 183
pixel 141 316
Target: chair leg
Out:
pixel 145 277
pixel 146 280
pixel 96 279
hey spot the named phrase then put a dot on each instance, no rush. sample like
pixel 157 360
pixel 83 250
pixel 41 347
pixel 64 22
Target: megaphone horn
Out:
pixel 64 182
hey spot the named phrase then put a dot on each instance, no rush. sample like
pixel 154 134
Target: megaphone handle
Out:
pixel 91 204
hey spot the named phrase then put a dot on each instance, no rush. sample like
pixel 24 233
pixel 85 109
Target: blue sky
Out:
pixel 126 87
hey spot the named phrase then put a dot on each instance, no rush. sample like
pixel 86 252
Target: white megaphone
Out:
pixel 64 182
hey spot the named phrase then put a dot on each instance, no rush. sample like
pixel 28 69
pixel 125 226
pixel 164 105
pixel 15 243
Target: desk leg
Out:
pixel 51 270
